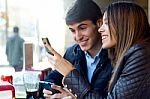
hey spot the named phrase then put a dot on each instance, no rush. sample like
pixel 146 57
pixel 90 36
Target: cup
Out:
pixel 31 81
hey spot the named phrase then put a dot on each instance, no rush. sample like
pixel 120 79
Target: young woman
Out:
pixel 126 34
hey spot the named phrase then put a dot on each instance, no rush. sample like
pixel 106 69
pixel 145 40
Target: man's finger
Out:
pixel 69 97
pixel 47 96
pixel 57 96
pixel 59 88
pixel 47 92
pixel 53 51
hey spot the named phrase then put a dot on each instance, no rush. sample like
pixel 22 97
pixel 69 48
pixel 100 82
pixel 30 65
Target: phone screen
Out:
pixel 45 40
pixel 47 86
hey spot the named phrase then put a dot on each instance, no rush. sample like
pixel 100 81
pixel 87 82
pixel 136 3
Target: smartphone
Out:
pixel 46 41
pixel 47 85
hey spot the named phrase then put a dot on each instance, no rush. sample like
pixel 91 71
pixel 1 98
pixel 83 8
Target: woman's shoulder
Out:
pixel 138 52
pixel 142 48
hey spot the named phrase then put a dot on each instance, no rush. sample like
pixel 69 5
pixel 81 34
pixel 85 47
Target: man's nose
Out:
pixel 78 35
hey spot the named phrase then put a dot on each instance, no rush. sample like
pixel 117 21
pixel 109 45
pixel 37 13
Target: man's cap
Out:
pixel 83 10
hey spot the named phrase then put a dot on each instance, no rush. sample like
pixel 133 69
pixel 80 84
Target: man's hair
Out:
pixel 16 29
pixel 83 10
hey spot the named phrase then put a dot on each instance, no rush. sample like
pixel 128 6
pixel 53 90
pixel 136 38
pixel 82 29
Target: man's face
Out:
pixel 85 33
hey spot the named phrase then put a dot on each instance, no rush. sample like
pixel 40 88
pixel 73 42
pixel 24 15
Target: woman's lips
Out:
pixel 104 37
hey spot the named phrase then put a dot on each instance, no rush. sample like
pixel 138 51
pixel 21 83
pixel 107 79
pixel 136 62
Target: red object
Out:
pixel 7 78
pixel 44 73
pixel 6 73
pixel 4 86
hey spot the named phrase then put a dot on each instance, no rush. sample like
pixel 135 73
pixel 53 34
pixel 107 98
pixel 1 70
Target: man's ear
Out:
pixel 99 22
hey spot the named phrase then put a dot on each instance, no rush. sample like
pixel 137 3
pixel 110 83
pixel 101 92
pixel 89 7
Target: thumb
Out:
pixel 69 97
pixel 53 51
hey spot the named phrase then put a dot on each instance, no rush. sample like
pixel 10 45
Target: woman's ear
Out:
pixel 99 22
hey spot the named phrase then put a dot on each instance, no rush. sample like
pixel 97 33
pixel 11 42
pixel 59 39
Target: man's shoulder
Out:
pixel 74 49
pixel 19 39
pixel 73 53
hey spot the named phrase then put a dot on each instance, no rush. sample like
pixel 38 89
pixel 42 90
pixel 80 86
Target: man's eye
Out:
pixel 82 27
pixel 72 30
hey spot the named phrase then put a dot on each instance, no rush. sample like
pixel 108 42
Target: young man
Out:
pixel 92 66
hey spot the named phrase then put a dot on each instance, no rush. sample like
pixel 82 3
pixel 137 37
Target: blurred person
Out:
pixel 128 41
pixel 14 50
pixel 92 68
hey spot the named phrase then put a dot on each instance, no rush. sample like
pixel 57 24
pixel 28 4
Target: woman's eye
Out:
pixel 106 22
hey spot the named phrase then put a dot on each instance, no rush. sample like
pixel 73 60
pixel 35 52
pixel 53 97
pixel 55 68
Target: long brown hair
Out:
pixel 129 23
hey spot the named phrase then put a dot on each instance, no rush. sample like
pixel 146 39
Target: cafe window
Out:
pixel 35 19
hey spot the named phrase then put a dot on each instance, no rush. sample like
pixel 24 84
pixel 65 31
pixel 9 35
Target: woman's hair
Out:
pixel 129 24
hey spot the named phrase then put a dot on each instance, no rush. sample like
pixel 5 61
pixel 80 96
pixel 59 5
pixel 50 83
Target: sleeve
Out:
pixel 54 77
pixel 76 83
pixel 131 80
pixel 80 87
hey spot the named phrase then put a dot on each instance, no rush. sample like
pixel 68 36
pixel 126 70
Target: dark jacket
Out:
pixel 77 80
pixel 134 77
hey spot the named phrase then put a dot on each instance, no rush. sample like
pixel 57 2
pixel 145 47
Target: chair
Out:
pixel 7 90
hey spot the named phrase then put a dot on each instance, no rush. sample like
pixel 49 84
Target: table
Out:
pixel 19 83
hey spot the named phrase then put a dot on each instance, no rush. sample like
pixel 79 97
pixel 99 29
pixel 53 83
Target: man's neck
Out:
pixel 93 52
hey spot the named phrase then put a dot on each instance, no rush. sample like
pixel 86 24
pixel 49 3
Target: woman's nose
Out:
pixel 100 29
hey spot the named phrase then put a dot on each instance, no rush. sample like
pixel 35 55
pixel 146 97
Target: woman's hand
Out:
pixel 64 93
pixel 59 63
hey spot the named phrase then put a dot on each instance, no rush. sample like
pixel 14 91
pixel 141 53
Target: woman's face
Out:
pixel 107 40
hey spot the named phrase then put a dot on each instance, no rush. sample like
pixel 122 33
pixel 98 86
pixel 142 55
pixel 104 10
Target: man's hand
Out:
pixel 60 64
pixel 64 93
